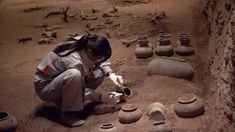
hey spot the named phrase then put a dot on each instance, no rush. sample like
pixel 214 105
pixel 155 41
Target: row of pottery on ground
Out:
pixel 130 113
pixel 164 46
pixel 159 126
pixel 189 106
pixel 173 67
pixel 8 122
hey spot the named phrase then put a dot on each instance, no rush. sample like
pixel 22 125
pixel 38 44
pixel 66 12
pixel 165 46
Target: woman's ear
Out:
pixel 89 52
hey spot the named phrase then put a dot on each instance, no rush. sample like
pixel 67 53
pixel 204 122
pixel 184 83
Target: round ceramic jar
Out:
pixel 8 122
pixel 143 50
pixel 188 106
pixel 155 111
pixel 164 47
pixel 183 47
pixel 108 127
pixel 160 126
pixel 129 113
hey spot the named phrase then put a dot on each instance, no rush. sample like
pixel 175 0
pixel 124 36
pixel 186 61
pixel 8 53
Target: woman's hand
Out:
pixel 117 79
pixel 112 97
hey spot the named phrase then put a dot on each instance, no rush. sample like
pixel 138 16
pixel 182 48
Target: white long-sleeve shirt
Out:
pixel 52 65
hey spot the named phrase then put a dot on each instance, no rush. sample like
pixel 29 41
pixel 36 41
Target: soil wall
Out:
pixel 221 28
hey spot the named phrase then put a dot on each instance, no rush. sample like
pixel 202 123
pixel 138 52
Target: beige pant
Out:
pixel 68 87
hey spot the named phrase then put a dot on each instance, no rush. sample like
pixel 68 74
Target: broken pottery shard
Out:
pixel 172 67
pixel 155 111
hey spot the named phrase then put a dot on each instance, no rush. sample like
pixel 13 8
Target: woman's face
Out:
pixel 93 57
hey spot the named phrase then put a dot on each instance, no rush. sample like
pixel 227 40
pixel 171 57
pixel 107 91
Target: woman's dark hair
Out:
pixel 99 46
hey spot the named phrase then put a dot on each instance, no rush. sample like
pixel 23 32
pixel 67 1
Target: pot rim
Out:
pixel 6 116
pixel 127 91
pixel 129 107
pixel 187 98
pixel 107 125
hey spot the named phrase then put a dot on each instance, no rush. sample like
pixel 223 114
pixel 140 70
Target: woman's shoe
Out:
pixel 70 120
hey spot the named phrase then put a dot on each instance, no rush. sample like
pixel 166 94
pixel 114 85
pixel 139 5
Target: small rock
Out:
pixel 45 41
pixel 24 39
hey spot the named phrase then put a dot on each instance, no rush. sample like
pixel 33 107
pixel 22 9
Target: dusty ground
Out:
pixel 18 60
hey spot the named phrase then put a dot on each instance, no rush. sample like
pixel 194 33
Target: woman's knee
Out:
pixel 74 73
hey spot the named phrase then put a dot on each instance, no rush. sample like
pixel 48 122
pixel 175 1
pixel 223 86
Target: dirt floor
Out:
pixel 20 19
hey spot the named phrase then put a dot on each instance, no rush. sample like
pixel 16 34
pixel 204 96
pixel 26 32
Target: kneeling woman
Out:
pixel 72 71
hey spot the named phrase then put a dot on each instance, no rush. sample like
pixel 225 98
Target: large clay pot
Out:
pixel 143 50
pixel 8 123
pixel 183 47
pixel 108 127
pixel 155 111
pixel 129 113
pixel 164 47
pixel 188 106
pixel 160 126
pixel 172 67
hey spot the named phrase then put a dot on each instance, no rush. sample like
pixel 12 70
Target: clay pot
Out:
pixel 143 50
pixel 164 47
pixel 129 113
pixel 188 106
pixel 183 47
pixel 172 67
pixel 160 126
pixel 8 123
pixel 108 127
pixel 125 90
pixel 155 111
